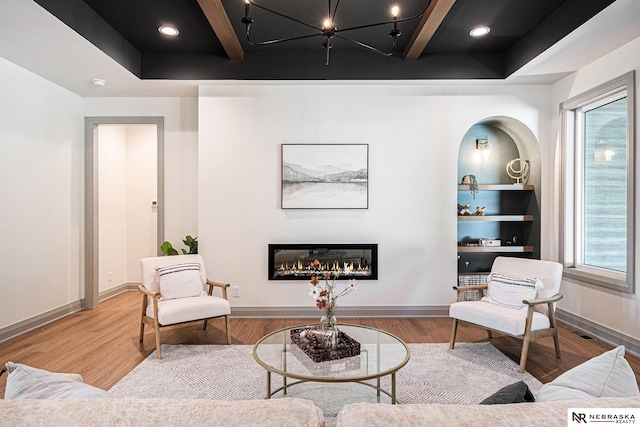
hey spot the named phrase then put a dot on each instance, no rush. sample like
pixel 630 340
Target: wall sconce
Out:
pixel 482 149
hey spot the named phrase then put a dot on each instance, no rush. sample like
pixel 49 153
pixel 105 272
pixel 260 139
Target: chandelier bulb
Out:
pixel 246 20
pixel 395 33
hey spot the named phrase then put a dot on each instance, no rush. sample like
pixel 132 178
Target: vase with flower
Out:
pixel 323 291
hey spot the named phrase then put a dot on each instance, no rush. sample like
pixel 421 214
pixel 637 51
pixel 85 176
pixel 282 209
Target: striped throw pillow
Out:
pixel 180 280
pixel 509 291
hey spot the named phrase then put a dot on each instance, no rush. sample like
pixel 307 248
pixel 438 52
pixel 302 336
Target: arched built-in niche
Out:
pixel 511 212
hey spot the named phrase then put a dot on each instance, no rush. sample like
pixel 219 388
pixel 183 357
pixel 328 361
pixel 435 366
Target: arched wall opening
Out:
pixel 501 218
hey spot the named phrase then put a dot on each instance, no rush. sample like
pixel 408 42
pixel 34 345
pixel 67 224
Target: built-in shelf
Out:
pixel 495 249
pixel 498 187
pixel 489 218
pixel 513 216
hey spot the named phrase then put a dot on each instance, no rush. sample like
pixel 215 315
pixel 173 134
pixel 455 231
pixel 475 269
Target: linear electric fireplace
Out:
pixel 353 261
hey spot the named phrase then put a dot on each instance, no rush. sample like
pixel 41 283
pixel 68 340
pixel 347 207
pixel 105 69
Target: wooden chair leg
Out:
pixel 489 334
pixel 554 328
pixel 227 324
pixel 526 339
pixel 525 353
pixel 454 330
pixel 142 314
pixel 205 324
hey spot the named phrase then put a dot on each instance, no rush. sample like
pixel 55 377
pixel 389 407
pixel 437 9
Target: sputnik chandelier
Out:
pixel 328 29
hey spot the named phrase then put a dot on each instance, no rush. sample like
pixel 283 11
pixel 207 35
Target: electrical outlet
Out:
pixel 236 291
pixel 110 276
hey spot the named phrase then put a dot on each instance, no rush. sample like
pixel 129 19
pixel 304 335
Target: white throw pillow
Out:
pixel 180 280
pixel 25 382
pixel 509 291
pixel 607 375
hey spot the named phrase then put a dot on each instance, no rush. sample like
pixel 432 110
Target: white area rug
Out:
pixel 434 374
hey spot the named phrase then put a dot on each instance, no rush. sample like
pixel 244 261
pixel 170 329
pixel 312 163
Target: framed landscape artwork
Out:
pixel 325 176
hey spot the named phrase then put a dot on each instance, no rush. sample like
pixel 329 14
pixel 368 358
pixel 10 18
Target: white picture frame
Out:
pixel 325 176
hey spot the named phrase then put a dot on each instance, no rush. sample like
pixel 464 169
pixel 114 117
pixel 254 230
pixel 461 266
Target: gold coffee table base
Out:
pixel 285 386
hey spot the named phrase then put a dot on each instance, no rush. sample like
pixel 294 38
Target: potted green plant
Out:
pixel 191 242
pixel 472 182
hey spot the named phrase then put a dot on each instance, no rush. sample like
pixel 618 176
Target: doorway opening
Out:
pixel 124 201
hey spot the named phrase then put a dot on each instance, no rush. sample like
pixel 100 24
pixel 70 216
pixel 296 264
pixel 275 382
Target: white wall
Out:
pixel 413 131
pixel 112 206
pixel 41 140
pixel 619 312
pixel 127 184
pixel 141 190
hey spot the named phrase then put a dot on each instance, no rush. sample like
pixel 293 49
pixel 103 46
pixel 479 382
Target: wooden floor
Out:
pixel 103 345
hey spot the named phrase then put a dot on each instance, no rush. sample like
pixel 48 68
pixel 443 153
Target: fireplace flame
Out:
pixel 298 268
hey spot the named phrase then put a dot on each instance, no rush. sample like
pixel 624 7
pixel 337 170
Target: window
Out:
pixel 599 203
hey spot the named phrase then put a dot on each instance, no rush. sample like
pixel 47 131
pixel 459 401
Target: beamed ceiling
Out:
pixel 212 44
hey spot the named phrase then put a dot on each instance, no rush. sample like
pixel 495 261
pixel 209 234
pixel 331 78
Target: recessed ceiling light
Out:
pixel 99 82
pixel 168 30
pixel 479 31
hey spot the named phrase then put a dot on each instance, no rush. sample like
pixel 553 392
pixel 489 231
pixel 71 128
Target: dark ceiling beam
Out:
pixel 433 17
pixel 219 21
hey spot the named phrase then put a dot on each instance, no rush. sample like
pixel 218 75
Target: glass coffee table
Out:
pixel 381 355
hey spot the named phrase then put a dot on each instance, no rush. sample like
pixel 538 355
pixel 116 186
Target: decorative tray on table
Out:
pixel 323 345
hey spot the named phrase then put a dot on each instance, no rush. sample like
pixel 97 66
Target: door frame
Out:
pixel 91 215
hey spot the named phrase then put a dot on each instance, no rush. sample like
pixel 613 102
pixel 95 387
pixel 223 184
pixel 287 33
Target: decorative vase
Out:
pixel 330 329
pixel 328 321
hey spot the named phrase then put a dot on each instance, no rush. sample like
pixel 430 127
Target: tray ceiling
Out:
pixel 209 47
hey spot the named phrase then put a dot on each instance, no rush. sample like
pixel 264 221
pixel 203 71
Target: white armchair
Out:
pixel 520 301
pixel 173 294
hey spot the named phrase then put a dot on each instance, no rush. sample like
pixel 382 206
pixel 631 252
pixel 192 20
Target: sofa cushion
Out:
pixel 607 375
pixel 513 393
pixel 26 382
pixel 509 291
pixel 180 280
pixel 161 412
pixel 547 414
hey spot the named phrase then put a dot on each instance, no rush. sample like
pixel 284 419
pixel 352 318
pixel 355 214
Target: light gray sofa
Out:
pixel 286 412
pixel 606 381
pixel 547 414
